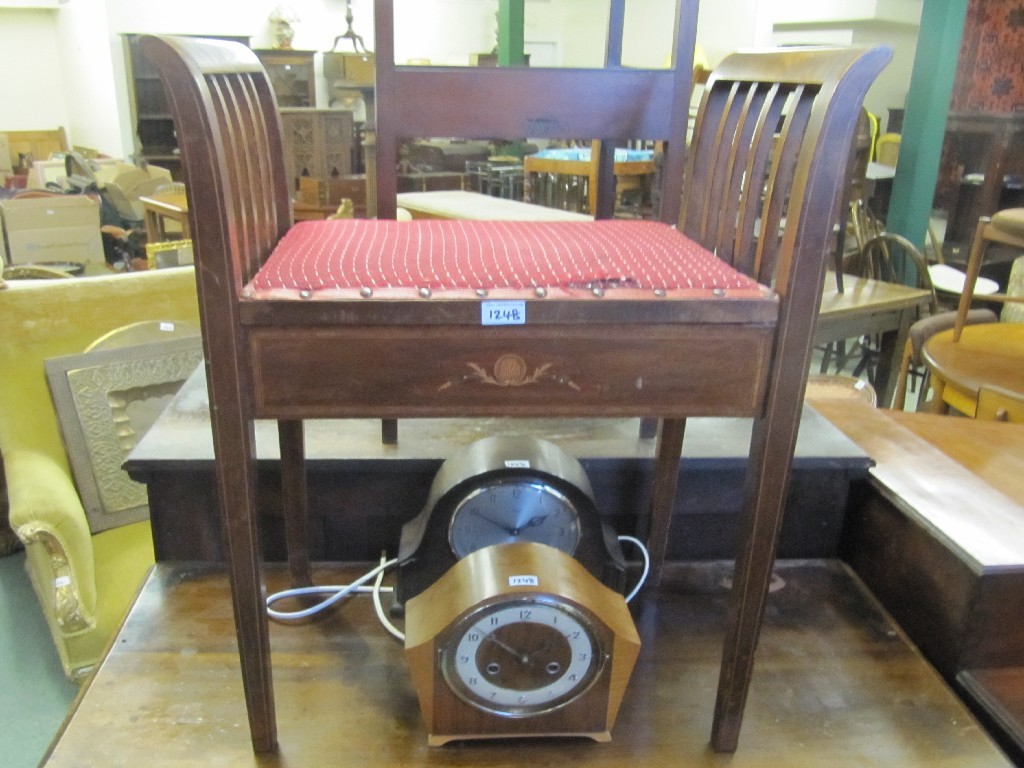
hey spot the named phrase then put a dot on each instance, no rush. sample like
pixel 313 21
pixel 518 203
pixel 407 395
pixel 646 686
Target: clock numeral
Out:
pixel 473 681
pixel 573 678
pixel 584 657
pixel 525 614
pixel 473 637
pixel 463 659
pixel 494 621
pixel 575 635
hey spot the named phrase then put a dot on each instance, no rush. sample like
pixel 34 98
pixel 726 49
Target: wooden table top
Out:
pixel 836 684
pixel 573 166
pixel 989 354
pixel 460 204
pixel 861 293
pixel 169 204
pixel 961 476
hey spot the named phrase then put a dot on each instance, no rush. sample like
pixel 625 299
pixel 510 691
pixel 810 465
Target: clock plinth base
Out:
pixel 519 640
pixel 437 740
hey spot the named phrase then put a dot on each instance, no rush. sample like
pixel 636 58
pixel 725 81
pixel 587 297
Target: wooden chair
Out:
pixel 762 187
pixel 884 257
pixel 611 105
pixel 956 378
pixel 605 108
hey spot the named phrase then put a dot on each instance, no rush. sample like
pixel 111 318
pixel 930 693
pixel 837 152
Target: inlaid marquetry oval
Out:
pixel 511 370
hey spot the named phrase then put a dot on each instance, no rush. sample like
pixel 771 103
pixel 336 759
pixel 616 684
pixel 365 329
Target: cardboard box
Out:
pixel 52 229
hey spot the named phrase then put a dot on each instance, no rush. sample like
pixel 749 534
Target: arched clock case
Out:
pixel 506 489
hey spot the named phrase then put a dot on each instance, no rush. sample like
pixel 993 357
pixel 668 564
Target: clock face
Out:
pixel 514 509
pixel 522 656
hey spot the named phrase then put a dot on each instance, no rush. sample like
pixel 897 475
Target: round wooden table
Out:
pixel 987 355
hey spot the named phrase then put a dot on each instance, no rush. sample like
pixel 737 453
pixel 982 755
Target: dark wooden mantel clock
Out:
pixel 503 489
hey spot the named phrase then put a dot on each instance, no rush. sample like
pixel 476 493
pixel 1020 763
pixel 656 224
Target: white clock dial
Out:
pixel 522 657
pixel 510 510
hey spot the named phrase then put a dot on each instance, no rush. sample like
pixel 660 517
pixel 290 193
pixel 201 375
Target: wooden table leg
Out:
pixel 663 495
pixel 294 500
pixel 890 355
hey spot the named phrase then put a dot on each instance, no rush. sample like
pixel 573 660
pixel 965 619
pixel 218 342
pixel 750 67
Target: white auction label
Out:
pixel 503 313
pixel 523 581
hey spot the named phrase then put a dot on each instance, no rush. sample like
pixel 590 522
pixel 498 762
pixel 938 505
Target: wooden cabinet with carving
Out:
pixel 318 143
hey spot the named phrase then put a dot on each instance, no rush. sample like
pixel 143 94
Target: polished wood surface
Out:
pixel 987 355
pixel 239 214
pixel 990 451
pixel 837 684
pixel 460 204
pixel 999 695
pixel 937 533
pixel 941 466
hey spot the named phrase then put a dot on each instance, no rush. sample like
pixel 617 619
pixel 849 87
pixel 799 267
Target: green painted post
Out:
pixel 924 123
pixel 511 26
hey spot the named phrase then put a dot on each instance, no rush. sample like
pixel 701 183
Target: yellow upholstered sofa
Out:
pixel 84 582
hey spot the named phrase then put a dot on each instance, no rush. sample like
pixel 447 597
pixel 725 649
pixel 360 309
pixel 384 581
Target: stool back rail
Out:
pixel 763 181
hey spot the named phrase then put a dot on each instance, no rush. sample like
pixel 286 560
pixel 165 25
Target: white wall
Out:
pixel 85 61
pixel 73 58
pixel 32 81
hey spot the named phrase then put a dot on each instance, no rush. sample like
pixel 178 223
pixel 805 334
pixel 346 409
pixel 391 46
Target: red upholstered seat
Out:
pixel 389 259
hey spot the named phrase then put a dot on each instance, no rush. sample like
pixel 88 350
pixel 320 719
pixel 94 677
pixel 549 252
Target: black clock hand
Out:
pixel 522 657
pixel 495 523
pixel 544 648
pixel 534 522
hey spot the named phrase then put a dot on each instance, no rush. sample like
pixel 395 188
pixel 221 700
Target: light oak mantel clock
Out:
pixel 519 640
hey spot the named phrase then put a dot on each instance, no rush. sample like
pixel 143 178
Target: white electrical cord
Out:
pixel 378 607
pixel 647 564
pixel 358 587
pixel 336 592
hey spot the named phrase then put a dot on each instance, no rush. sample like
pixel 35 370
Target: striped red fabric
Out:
pixel 456 256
